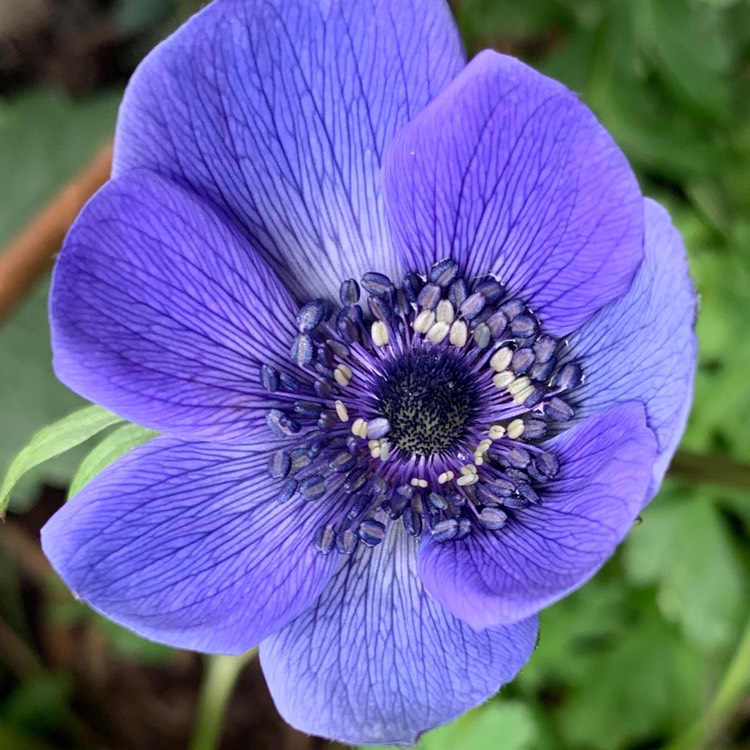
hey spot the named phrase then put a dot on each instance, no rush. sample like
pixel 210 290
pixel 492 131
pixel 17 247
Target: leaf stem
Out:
pixel 216 689
pixel 731 691
pixel 710 468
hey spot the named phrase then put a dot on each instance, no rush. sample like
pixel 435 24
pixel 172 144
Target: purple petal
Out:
pixel 163 313
pixel 546 551
pixel 510 174
pixel 644 346
pixel 280 112
pixel 378 660
pixel 185 544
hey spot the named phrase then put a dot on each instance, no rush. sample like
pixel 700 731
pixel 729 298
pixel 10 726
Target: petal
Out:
pixel 378 660
pixel 280 112
pixel 511 175
pixel 643 346
pixel 185 544
pixel 163 313
pixel 546 551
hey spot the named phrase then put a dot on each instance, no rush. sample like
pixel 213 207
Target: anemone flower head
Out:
pixel 418 350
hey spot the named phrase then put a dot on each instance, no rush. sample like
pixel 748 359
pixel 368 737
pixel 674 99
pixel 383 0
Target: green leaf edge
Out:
pixel 121 441
pixel 51 441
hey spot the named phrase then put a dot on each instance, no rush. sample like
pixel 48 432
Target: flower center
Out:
pixel 429 400
pixel 427 409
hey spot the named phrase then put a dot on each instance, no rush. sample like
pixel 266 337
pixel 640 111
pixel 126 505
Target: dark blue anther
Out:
pixel 513 307
pixel 287 490
pixel 527 493
pixel 322 388
pixel 502 487
pixel 445 530
pixel 458 292
pixel 569 376
pixel 516 502
pixel 547 464
pixel 482 336
pixel 346 542
pixel 405 490
pixel 401 304
pixel 310 315
pixel 491 289
pixel 324 539
pixel 326 420
pixel 346 328
pixel 339 348
pixel 281 424
pixel 487 494
pixel 355 480
pixel 492 518
pixel 541 371
pixel 377 283
pixel 444 272
pixel 290 383
pixel 352 445
pixel 349 292
pixel 536 397
pixel 343 461
pixel 437 501
pixel 497 322
pixel 472 305
pixel 380 307
pixel 269 378
pixel 412 522
pixel 522 361
pixel 299 459
pixel 524 326
pixel 398 504
pixel 322 369
pixel 464 529
pixel 534 429
pixel 378 428
pixel 302 349
pixel 371 532
pixel 429 297
pixel 313 487
pixel 544 347
pixel 412 286
pixel 324 356
pixel 279 464
pixel 518 457
pixel 558 410
pixel 362 503
pixel 379 485
pixel 308 409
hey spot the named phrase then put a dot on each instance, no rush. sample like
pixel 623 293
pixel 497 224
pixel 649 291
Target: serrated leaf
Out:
pixel 113 446
pixel 53 440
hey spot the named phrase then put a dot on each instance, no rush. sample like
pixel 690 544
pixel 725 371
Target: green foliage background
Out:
pixel 635 658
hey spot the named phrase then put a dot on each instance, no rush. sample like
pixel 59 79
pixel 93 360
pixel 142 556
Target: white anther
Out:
pixel 467 479
pixel 341 411
pixel 519 385
pixel 423 322
pixel 342 375
pixel 459 333
pixel 422 483
pixel 521 396
pixel 484 445
pixel 478 459
pixel 359 428
pixel 385 449
pixel 501 359
pixel 446 476
pixel 445 311
pixel 379 333
pixel 468 469
pixel 497 431
pixel 373 444
pixel 503 379
pixel 438 332
pixel 375 450
pixel 515 429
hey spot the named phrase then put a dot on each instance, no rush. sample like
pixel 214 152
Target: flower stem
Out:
pixel 219 679
pixel 731 690
pixel 710 468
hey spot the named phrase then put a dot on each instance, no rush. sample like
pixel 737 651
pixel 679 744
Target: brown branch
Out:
pixel 710 468
pixel 31 253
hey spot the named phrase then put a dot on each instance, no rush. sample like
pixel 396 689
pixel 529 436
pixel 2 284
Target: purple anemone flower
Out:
pixel 418 349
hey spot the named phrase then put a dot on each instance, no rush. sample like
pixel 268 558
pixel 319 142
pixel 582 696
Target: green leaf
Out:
pixel 113 446
pixel 482 728
pixel 684 548
pixel 53 440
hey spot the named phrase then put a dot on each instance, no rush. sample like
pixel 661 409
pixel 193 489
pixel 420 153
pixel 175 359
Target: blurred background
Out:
pixel 655 651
